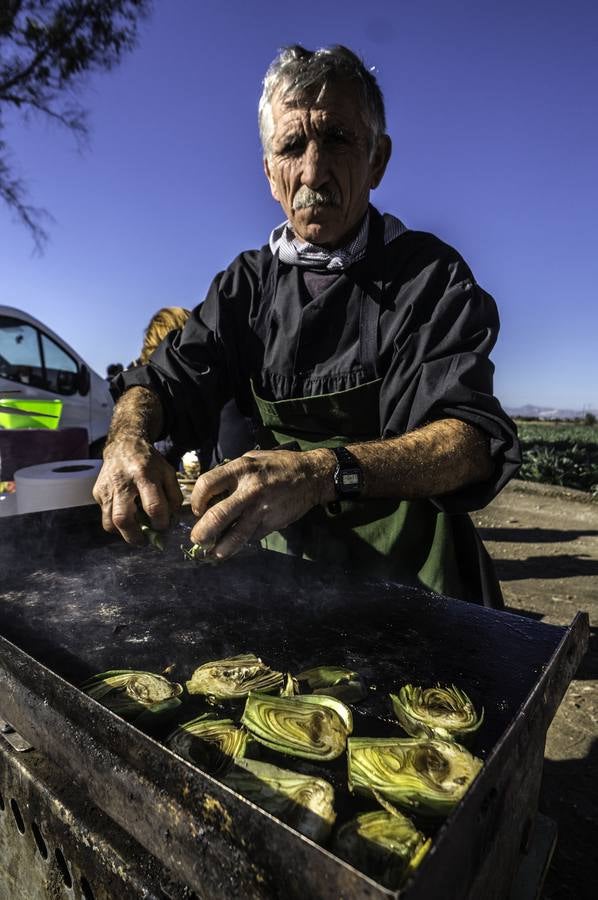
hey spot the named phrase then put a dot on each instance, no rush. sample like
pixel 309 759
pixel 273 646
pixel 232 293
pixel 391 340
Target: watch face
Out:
pixel 348 477
pixel 350 480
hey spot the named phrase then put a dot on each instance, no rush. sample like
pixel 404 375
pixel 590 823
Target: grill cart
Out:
pixel 98 809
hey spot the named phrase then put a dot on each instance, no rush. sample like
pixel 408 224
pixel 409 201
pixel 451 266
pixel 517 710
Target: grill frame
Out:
pixel 169 807
pixel 53 843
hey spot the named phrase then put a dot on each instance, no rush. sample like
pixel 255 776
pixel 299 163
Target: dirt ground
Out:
pixel 544 541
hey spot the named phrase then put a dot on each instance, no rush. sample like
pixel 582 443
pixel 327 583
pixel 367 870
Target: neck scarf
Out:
pixel 295 252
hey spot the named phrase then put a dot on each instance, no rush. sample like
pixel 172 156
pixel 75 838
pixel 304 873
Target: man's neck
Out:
pixel 341 244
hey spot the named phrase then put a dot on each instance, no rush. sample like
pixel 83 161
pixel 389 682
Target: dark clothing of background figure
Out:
pixel 235 435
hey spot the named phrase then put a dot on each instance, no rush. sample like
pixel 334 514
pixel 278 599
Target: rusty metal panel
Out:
pixel 55 844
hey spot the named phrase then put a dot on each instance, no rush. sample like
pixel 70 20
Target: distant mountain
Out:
pixel 544 412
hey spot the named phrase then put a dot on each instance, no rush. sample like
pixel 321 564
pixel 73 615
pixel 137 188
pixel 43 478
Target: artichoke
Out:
pixel 131 693
pixel 427 776
pixel 155 538
pixel 333 681
pixel 446 713
pixel 385 845
pixel 289 686
pixel 233 678
pixel 208 742
pixel 304 802
pixel 311 727
pixel 199 553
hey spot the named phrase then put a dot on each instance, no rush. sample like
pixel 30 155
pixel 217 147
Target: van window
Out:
pixel 61 368
pixel 20 353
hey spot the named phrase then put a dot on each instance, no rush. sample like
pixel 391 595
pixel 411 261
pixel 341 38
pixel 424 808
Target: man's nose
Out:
pixel 315 168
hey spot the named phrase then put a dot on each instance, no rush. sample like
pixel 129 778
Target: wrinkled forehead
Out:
pixel 289 94
pixel 338 99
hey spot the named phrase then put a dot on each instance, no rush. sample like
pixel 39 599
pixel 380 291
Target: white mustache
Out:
pixel 306 197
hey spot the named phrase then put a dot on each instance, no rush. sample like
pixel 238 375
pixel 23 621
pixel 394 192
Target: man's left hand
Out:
pixel 260 492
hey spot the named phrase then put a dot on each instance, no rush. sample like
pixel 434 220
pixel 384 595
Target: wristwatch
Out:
pixel 348 475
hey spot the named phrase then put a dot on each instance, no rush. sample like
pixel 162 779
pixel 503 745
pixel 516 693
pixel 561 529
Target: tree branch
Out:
pixel 52 44
pixel 12 192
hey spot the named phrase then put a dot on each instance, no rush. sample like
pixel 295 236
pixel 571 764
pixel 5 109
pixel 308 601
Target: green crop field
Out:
pixel 562 453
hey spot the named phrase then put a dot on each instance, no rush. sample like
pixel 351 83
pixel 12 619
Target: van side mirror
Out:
pixel 84 381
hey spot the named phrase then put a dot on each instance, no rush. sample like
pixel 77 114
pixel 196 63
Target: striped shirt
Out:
pixel 295 252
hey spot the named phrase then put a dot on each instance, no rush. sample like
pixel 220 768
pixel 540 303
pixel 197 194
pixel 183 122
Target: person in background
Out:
pixel 167 319
pixel 161 324
pixel 359 348
pixel 230 436
pixel 113 370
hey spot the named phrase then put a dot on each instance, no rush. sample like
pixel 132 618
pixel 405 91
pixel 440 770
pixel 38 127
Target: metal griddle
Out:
pixel 75 601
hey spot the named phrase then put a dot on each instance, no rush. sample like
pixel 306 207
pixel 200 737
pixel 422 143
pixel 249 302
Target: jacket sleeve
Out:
pixel 440 368
pixel 195 371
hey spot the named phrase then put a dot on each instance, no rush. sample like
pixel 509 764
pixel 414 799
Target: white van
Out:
pixel 35 362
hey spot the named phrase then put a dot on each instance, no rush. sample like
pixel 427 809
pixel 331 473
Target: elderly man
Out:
pixel 358 348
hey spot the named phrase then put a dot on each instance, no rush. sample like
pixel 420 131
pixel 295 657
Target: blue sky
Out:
pixel 492 112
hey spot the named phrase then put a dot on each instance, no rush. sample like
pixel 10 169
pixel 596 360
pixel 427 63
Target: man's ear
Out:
pixel 380 160
pixel 273 190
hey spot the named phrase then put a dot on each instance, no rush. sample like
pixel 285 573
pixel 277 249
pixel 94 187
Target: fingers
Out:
pixel 216 520
pixel 154 503
pixel 117 505
pixel 223 540
pixel 123 514
pixel 209 486
pixel 263 491
pixel 123 479
pixel 236 537
pixel 106 508
pixel 172 490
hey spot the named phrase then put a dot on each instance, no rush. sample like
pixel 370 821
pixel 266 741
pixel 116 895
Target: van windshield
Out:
pixel 28 356
pixel 20 353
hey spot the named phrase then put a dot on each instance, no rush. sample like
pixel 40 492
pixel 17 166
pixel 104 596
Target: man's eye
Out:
pixel 337 136
pixel 292 147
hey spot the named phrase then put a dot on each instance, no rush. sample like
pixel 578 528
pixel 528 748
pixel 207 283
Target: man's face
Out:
pixel 319 166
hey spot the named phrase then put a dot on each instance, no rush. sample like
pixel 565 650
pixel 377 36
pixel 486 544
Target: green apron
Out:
pixel 409 541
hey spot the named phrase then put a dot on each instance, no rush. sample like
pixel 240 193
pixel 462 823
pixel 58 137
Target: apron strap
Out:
pixel 270 282
pixel 372 296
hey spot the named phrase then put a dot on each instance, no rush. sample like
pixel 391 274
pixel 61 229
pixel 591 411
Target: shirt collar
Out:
pixel 295 252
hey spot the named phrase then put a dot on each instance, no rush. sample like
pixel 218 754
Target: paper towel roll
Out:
pixel 56 485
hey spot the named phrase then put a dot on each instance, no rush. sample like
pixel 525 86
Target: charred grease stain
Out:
pixel 215 814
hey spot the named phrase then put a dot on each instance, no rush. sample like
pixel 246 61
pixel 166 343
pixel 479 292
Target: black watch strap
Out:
pixel 348 474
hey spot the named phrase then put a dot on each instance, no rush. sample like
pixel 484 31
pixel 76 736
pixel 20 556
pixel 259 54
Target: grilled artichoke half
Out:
pixel 233 678
pixel 311 727
pixel 386 846
pixel 209 743
pixel 333 681
pixel 304 802
pixel 446 713
pixel 427 776
pixel 131 693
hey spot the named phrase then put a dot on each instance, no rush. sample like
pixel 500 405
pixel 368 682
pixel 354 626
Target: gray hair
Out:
pixel 297 72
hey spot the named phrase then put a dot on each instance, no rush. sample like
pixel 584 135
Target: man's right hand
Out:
pixel 134 468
